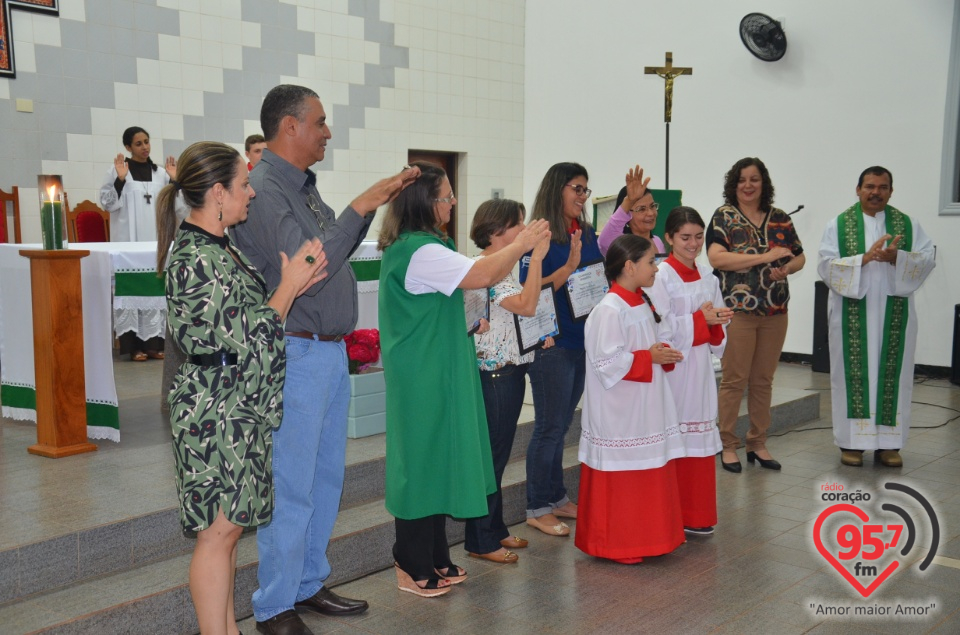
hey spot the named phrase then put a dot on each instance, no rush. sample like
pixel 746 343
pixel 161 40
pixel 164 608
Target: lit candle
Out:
pixel 51 221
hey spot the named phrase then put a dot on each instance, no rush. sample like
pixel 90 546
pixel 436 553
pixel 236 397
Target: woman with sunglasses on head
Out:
pixel 636 213
pixel 438 447
pixel 557 374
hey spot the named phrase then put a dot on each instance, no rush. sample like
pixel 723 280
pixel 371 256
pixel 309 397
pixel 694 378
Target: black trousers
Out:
pixel 422 546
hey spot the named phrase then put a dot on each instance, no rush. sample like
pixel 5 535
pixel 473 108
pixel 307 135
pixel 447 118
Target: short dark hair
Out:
pixel 875 170
pixel 252 139
pixel 733 176
pixel 283 101
pixel 680 216
pixel 412 210
pixel 494 217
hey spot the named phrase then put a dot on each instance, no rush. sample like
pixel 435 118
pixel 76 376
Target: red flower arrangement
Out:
pixel 363 349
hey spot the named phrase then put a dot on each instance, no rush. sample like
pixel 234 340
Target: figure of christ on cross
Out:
pixel 669 72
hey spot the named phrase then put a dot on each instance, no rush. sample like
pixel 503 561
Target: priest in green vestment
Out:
pixel 873 257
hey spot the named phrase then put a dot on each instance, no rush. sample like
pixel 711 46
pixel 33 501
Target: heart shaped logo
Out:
pixel 860 543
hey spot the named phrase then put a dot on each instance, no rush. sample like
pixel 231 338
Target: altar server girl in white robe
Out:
pixel 629 504
pixel 688 296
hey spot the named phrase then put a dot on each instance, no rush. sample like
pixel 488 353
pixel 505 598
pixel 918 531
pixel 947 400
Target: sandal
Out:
pixel 434 587
pixel 155 354
pixel 560 529
pixel 454 579
pixel 139 356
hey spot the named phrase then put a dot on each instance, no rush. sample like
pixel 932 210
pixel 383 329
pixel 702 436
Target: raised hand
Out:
pixel 573 260
pixel 171 167
pixel 533 234
pixel 120 165
pixel 385 190
pixel 636 187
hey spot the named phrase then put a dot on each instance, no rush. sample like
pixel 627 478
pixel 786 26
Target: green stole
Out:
pixel 851 238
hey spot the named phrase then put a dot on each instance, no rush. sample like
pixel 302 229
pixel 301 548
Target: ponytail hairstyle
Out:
pixel 199 168
pixel 628 247
pixel 680 216
pixel 413 209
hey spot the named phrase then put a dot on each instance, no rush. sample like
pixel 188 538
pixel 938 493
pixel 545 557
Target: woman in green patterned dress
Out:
pixel 226 399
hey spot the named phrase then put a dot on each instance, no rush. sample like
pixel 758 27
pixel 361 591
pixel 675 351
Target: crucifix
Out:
pixel 668 72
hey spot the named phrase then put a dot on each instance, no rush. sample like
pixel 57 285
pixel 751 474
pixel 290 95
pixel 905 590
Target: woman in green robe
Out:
pixel 438 448
pixel 225 400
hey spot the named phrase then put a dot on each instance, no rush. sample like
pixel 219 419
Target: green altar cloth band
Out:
pixel 366 270
pixel 141 283
pixel 98 414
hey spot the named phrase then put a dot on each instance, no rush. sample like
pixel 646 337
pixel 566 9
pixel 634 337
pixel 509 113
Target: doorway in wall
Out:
pixel 448 162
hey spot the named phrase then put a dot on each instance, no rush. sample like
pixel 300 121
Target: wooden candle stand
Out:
pixel 58 352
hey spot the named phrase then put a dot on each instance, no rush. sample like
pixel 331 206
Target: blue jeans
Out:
pixel 556 379
pixel 503 392
pixel 309 450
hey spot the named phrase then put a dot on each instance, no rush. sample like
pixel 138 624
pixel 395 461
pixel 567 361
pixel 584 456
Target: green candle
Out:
pixel 46 225
pixel 57 224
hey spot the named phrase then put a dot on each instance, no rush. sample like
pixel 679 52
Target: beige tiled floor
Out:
pixel 760 573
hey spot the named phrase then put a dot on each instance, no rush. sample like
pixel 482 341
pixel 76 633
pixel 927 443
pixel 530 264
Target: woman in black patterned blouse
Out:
pixel 753 247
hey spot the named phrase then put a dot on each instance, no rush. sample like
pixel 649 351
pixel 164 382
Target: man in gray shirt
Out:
pixel 310 444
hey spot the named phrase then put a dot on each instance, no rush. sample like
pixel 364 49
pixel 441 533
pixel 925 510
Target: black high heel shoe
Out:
pixel 770 464
pixel 734 467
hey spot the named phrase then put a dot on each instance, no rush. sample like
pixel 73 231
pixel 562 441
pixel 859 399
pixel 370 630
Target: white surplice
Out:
pixel 627 425
pixel 693 382
pixel 133 215
pixel 875 281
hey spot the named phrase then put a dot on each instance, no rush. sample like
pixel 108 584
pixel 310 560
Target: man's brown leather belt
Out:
pixel 314 336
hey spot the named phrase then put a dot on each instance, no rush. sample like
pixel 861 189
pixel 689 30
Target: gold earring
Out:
pixel 220 215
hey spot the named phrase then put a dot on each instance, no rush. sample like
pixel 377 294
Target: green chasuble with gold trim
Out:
pixel 851 238
pixel 438 446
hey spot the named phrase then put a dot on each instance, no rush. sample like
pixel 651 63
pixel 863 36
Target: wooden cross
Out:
pixel 669 72
pixel 147 196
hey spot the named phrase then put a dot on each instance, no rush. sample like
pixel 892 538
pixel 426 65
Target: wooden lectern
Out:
pixel 58 352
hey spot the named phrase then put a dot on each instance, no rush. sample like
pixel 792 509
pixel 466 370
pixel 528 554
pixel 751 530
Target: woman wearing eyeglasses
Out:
pixel 636 213
pixel 438 447
pixel 557 374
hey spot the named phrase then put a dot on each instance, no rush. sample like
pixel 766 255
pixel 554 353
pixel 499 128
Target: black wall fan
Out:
pixel 763 36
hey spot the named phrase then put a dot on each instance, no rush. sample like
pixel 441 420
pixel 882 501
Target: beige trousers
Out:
pixel 749 361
